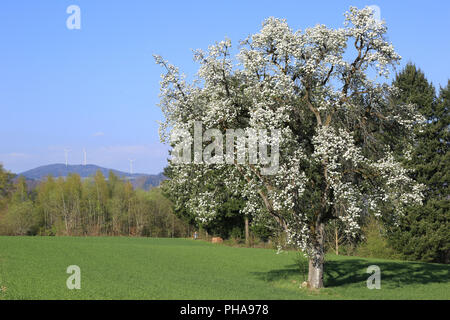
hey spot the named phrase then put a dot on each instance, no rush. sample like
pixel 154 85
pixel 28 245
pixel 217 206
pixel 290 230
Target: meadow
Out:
pixel 157 268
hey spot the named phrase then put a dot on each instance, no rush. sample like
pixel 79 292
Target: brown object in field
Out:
pixel 217 240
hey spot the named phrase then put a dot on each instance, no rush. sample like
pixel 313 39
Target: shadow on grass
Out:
pixel 353 272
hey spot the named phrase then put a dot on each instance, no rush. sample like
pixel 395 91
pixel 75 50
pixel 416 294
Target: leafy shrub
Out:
pixel 236 233
pixel 303 265
pixel 375 244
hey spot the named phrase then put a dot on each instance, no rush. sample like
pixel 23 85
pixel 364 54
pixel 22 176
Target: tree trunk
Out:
pixel 246 231
pixel 315 272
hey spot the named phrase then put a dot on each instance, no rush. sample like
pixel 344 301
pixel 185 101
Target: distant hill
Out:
pixel 138 180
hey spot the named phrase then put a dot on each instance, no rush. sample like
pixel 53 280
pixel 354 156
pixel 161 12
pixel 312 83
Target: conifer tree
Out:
pixel 424 231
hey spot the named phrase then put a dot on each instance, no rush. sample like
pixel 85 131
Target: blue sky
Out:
pixel 97 87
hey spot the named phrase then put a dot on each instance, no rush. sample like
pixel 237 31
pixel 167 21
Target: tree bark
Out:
pixel 315 272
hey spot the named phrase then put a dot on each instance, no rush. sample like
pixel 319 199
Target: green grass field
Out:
pixel 146 268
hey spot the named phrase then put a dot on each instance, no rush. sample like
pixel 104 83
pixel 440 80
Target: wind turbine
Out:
pixel 131 165
pixel 84 156
pixel 66 154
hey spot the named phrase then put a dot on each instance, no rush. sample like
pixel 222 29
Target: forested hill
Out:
pixel 139 180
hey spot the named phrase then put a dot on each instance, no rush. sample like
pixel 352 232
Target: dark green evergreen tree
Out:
pixel 424 232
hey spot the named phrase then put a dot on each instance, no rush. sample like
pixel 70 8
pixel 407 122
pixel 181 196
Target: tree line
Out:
pixel 94 206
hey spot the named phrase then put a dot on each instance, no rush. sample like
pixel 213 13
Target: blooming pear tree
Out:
pixel 321 89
